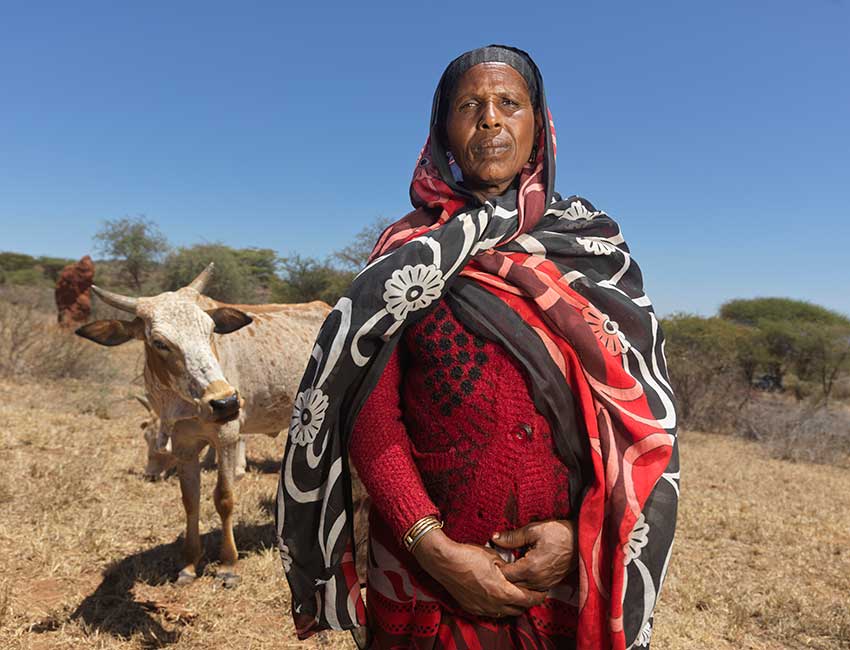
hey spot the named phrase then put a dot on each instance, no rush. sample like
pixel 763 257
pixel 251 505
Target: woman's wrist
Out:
pixel 434 552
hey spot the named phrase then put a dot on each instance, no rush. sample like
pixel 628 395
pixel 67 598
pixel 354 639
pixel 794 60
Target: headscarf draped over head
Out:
pixel 553 281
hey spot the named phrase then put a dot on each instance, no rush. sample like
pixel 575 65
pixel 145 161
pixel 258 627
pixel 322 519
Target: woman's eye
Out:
pixel 159 345
pixel 509 102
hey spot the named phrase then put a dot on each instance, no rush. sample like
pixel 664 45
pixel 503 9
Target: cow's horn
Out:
pixel 124 303
pixel 200 283
pixel 144 402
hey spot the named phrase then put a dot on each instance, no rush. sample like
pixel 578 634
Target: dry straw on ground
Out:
pixel 90 550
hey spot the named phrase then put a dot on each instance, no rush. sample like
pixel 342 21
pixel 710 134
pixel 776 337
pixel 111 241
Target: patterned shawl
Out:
pixel 553 281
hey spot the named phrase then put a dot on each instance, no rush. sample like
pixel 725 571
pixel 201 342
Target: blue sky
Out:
pixel 717 133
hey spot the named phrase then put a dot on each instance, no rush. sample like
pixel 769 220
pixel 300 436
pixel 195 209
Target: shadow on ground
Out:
pixel 111 608
pixel 263 466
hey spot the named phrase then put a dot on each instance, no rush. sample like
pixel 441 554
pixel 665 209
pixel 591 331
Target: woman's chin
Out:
pixel 491 179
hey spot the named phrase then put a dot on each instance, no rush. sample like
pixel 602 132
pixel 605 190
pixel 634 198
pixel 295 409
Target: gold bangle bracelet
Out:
pixel 415 533
pixel 434 525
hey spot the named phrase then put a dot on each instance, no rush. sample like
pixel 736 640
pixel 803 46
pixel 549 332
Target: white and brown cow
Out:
pixel 213 372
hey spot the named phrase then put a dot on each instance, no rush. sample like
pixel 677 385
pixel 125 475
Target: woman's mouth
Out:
pixel 492 149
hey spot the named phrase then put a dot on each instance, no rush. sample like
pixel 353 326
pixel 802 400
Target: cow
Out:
pixel 213 372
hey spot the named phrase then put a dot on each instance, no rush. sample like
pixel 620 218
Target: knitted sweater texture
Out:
pixel 451 429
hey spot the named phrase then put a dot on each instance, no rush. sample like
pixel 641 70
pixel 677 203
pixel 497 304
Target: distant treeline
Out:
pixel 21 269
pixel 136 259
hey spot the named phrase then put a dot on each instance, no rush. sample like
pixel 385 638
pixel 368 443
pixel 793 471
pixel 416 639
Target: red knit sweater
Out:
pixel 451 429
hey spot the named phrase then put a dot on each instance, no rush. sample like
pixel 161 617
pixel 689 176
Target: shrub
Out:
pixel 15 261
pixel 231 282
pixel 307 279
pixel 32 344
pixel 798 431
pixel 754 311
pixel 705 370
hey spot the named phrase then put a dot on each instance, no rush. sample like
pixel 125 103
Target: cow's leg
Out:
pixel 189 472
pixel 241 460
pixel 225 500
pixel 209 458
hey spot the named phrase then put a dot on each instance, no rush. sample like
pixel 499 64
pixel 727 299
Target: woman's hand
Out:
pixel 472 575
pixel 551 557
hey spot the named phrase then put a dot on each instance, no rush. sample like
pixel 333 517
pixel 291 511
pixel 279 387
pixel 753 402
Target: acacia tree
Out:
pixel 822 355
pixel 136 242
pixel 795 336
pixel 354 256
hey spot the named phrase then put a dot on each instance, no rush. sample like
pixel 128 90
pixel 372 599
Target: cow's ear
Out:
pixel 228 319
pixel 112 332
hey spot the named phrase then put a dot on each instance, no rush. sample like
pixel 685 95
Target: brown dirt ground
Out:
pixel 90 550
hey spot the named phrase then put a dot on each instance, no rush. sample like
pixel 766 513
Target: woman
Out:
pixel 497 374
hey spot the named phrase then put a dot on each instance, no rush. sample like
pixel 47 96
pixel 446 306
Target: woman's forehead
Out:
pixel 490 74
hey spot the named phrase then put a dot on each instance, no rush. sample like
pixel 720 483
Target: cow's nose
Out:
pixel 225 406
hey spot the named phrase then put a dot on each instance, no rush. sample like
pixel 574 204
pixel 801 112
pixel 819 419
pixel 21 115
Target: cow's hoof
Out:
pixel 228 579
pixel 185 577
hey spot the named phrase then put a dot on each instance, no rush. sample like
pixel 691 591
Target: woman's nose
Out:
pixel 490 117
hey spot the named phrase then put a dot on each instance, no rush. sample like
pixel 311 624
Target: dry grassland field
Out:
pixel 90 550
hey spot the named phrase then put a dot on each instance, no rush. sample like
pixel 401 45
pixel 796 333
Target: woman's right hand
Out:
pixel 471 574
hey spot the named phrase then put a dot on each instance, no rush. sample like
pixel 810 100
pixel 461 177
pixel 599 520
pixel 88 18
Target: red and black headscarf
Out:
pixel 553 281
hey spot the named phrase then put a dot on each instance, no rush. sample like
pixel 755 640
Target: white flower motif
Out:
pixel 606 330
pixel 412 288
pixel 577 211
pixel 596 246
pixel 645 635
pixel 637 540
pixel 307 416
pixel 285 557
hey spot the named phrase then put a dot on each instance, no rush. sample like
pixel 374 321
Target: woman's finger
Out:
pixel 518 571
pixel 535 572
pixel 516 538
pixel 525 598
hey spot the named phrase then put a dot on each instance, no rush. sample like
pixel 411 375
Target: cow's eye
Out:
pixel 159 345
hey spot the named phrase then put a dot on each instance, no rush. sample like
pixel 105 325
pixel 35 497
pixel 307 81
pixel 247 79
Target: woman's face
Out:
pixel 490 127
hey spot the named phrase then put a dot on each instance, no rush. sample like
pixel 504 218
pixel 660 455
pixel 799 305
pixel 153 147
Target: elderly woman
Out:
pixel 496 374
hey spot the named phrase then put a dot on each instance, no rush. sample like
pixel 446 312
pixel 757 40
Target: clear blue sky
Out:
pixel 716 132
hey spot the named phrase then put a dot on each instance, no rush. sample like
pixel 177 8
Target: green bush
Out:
pixel 306 279
pixel 51 267
pixel 798 337
pixel 231 281
pixel 27 277
pixel 703 358
pixel 16 261
pixel 754 311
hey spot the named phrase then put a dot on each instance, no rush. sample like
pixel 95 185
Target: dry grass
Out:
pixel 33 345
pixel 799 431
pixel 762 554
pixel 90 550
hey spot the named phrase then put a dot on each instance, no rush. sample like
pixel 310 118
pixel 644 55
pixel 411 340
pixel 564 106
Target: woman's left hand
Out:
pixel 551 557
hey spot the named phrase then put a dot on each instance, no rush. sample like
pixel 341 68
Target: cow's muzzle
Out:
pixel 220 403
pixel 226 409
